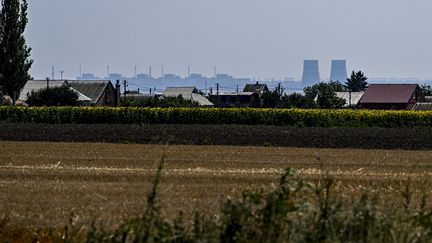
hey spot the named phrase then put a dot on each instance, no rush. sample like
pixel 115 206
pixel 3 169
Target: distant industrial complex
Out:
pixel 150 83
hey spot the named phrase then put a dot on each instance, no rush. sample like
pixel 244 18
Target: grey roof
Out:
pixel 423 106
pixel 355 97
pixel 188 93
pixel 234 93
pixel 81 97
pixel 176 91
pixel 202 101
pixel 90 88
pixel 257 88
pixel 35 85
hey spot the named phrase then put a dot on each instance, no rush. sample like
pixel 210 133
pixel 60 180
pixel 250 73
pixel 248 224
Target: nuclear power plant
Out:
pixel 310 73
pixel 338 71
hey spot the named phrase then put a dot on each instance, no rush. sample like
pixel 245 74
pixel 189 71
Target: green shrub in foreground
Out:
pixel 241 116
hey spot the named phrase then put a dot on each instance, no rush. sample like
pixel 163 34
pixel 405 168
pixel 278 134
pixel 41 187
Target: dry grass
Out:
pixel 45 183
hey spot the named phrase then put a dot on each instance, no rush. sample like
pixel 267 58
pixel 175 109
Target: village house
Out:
pixel 101 92
pixel 391 96
pixel 256 88
pixel 90 92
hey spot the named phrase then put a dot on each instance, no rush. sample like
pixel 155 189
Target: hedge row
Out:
pixel 287 117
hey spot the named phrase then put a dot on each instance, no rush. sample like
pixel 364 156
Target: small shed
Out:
pixel 391 96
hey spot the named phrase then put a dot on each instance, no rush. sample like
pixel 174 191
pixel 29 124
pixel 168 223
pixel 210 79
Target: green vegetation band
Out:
pixel 241 116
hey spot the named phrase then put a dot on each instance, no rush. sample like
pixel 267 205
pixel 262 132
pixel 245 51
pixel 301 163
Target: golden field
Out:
pixel 47 184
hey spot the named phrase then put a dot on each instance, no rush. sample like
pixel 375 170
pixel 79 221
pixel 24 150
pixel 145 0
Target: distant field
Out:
pixel 42 183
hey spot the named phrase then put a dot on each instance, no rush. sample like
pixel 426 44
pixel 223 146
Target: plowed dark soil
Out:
pixel 239 135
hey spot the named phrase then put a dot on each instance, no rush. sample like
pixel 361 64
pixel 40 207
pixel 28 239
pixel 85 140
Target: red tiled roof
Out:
pixel 389 93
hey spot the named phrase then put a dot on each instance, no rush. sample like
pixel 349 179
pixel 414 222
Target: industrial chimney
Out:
pixel 338 71
pixel 311 74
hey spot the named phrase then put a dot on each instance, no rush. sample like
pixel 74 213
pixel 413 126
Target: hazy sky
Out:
pixel 245 38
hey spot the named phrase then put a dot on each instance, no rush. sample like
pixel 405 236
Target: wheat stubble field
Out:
pixel 46 184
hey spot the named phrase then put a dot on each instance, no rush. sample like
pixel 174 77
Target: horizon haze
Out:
pixel 244 38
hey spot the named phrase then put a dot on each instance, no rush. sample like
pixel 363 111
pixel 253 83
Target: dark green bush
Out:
pixel 53 96
pixel 165 102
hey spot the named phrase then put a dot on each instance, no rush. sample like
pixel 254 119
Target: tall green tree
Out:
pixel 357 82
pixel 14 53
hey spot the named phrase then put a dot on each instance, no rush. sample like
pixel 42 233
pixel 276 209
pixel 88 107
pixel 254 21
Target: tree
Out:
pixel 297 100
pixel 357 82
pixel 426 89
pixel 325 94
pixel 14 53
pixel 271 98
pixel 53 96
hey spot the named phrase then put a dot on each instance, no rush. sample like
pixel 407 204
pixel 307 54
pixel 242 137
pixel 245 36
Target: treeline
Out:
pixel 240 116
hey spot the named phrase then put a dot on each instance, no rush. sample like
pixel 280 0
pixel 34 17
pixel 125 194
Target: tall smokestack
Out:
pixel 338 71
pixel 311 74
pixel 135 71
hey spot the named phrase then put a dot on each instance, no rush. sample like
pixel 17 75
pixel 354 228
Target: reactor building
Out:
pixel 338 71
pixel 311 73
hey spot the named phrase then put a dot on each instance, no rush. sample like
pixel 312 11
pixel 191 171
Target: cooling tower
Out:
pixel 310 73
pixel 338 71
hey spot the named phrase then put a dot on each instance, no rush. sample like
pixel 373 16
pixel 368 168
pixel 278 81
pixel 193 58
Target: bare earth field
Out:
pixel 43 183
pixel 230 135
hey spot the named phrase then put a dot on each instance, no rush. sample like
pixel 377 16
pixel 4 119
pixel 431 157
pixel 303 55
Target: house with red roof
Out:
pixel 391 96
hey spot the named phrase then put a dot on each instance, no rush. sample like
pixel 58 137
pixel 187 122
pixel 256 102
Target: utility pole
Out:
pixel 47 79
pixel 124 89
pixel 237 88
pixel 279 89
pixel 349 97
pixel 205 87
pixel 217 94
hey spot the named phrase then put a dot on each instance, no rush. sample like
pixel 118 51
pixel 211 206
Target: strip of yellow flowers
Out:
pixel 287 117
